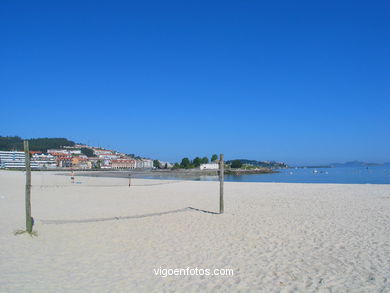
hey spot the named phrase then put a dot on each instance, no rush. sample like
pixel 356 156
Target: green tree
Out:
pixel 197 161
pixel 88 152
pixel 205 160
pixel 156 164
pixel 8 143
pixel 97 165
pixel 176 166
pixel 236 164
pixel 214 157
pixel 185 163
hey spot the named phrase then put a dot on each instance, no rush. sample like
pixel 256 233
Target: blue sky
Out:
pixel 295 81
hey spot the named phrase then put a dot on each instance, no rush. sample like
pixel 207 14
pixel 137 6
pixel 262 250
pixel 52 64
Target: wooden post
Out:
pixel 221 181
pixel 29 223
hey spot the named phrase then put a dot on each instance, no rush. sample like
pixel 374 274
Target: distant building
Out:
pixel 106 164
pixel 64 162
pixel 75 152
pixel 98 152
pixel 58 152
pixel 148 163
pixel 123 164
pixel 81 163
pixel 108 157
pixel 95 162
pixel 144 164
pixel 209 166
pixel 11 159
pixel 167 164
pixel 43 161
pixel 79 146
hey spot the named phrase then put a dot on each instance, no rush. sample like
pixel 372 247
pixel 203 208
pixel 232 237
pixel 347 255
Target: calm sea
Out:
pixel 346 175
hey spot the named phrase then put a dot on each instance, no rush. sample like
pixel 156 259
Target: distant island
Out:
pixel 355 164
pixel 352 164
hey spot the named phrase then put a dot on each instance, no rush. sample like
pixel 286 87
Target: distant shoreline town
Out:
pixel 60 153
pixel 74 157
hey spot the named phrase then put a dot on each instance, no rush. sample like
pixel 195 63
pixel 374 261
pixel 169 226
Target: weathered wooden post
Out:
pixel 221 181
pixel 72 176
pixel 29 222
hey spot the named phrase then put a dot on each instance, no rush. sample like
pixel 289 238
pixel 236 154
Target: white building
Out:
pixel 144 164
pixel 209 166
pixel 58 151
pixel 105 164
pixel 75 152
pixel 148 164
pixel 98 152
pixel 108 157
pixel 11 159
pixel 44 161
pixel 163 164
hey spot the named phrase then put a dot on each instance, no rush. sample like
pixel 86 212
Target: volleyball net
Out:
pixel 69 197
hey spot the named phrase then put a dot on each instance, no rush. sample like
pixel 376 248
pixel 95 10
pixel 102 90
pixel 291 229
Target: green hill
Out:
pixel 15 143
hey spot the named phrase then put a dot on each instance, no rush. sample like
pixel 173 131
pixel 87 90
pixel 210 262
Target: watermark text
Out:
pixel 166 272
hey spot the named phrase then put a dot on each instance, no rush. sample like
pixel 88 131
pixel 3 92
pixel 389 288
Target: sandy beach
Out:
pixel 99 235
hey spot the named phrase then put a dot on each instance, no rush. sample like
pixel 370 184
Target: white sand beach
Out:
pixel 276 237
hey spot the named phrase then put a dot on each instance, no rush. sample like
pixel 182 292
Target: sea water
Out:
pixel 345 175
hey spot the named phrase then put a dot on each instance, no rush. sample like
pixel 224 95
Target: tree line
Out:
pixel 187 163
pixel 15 143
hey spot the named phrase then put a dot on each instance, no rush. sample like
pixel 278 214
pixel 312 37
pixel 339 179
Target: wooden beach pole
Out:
pixel 29 222
pixel 129 179
pixel 221 181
